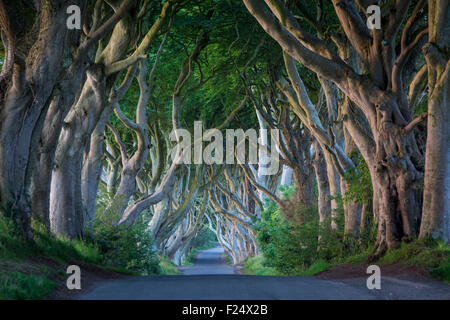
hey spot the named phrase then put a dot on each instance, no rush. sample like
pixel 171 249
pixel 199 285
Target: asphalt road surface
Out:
pixel 212 279
pixel 209 261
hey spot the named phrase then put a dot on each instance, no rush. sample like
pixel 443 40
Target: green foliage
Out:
pixel 431 255
pixel 106 244
pixel 17 285
pixel 190 258
pixel 205 239
pixel 360 183
pixel 61 249
pixel 366 236
pixel 306 248
pixel 360 191
pixel 30 280
pixel 290 248
pixel 126 251
pixel 167 267
pixel 258 266
pixel 127 247
pixel 44 244
pixel 312 248
pixel 316 267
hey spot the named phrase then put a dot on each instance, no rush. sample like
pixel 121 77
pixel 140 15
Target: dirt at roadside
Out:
pixel 56 271
pixel 345 271
pixel 398 281
pixel 90 276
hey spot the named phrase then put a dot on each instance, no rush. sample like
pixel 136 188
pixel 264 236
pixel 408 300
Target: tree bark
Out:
pixel 396 165
pixel 37 68
pixel 436 197
pixel 320 169
pixel 66 205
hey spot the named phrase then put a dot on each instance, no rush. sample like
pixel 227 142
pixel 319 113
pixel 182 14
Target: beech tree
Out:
pixel 40 73
pixel 436 204
pixel 88 117
pixel 379 91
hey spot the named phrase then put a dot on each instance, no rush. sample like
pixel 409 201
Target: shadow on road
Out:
pixel 210 261
pixel 210 278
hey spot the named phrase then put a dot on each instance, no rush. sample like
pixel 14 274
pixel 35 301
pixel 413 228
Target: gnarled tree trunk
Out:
pixel 436 197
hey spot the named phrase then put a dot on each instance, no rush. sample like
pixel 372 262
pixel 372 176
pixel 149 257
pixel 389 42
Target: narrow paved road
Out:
pixel 212 279
pixel 209 261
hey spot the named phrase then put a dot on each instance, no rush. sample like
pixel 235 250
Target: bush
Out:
pixel 167 267
pixel 127 247
pixel 291 248
pixel 257 266
pixel 287 248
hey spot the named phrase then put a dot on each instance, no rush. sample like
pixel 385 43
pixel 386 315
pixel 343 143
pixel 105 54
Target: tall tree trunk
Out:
pixel 320 169
pixel 352 210
pixel 93 166
pixel 66 205
pixel 335 190
pixel 66 201
pixel 352 214
pixel 436 197
pixel 286 176
pixel 53 123
pixel 69 86
pixel 132 166
pixel 37 68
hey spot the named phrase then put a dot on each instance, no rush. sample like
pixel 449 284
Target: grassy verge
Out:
pixel 433 257
pixel 256 266
pixel 18 285
pixel 31 270
pixel 35 269
pixel 167 266
pixel 228 259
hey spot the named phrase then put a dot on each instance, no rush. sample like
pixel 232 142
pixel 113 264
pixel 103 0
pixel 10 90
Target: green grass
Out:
pixel 167 267
pixel 318 266
pixel 190 259
pixel 122 270
pixel 26 268
pixel 357 258
pixel 431 256
pixel 255 266
pixel 44 244
pixel 31 270
pixel 228 259
pixel 18 285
